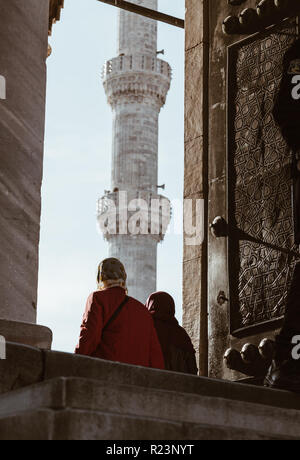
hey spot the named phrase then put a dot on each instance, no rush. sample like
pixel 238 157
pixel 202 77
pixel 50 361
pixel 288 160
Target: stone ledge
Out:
pixel 27 365
pixel 89 409
pixel 85 425
pixel 67 365
pixel 29 426
pixel 26 333
pixel 23 366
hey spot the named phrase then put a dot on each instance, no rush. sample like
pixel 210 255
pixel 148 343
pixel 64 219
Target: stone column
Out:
pixel 23 52
pixel 195 174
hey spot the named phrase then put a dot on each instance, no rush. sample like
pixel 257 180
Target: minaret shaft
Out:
pixel 135 146
pixel 137 34
pixel 139 256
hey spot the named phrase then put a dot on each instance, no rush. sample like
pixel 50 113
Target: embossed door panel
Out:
pixel 251 187
pixel 261 245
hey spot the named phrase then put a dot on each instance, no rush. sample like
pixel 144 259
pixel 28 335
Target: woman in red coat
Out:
pixel 177 347
pixel 131 337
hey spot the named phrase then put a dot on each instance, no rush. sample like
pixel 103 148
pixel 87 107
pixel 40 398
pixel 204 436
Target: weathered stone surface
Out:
pixel 194 34
pixel 178 407
pixel 28 426
pixel 26 334
pixel 73 424
pixel 193 327
pixel 27 365
pixel 194 93
pixel 67 365
pixel 86 425
pixel 23 51
pixel 97 399
pixel 50 394
pixel 192 291
pixel 90 409
pixel 23 366
pixel 195 176
pixel 193 167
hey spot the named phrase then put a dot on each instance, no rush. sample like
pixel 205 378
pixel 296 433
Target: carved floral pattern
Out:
pixel 260 184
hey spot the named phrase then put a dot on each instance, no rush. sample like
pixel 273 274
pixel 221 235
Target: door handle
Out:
pixel 222 298
pixel 219 227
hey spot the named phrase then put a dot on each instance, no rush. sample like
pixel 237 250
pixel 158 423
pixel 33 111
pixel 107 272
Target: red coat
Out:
pixel 131 338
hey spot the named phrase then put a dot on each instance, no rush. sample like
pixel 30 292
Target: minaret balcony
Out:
pixel 138 78
pixel 134 213
pixel 136 63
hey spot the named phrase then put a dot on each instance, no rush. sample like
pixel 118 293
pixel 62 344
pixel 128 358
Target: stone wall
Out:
pixel 195 177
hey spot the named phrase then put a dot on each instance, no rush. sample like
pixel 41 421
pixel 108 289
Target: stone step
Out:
pixel 74 424
pixel 27 365
pixel 186 414
pixel 26 333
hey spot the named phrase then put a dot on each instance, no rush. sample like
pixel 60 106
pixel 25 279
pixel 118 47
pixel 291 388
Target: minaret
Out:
pixel 136 84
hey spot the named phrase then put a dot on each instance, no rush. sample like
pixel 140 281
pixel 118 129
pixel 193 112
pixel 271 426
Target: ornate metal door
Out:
pixel 255 259
pixel 262 252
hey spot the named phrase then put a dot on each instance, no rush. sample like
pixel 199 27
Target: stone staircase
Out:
pixel 51 395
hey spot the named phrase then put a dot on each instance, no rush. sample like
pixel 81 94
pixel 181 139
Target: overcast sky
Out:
pixel 77 165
